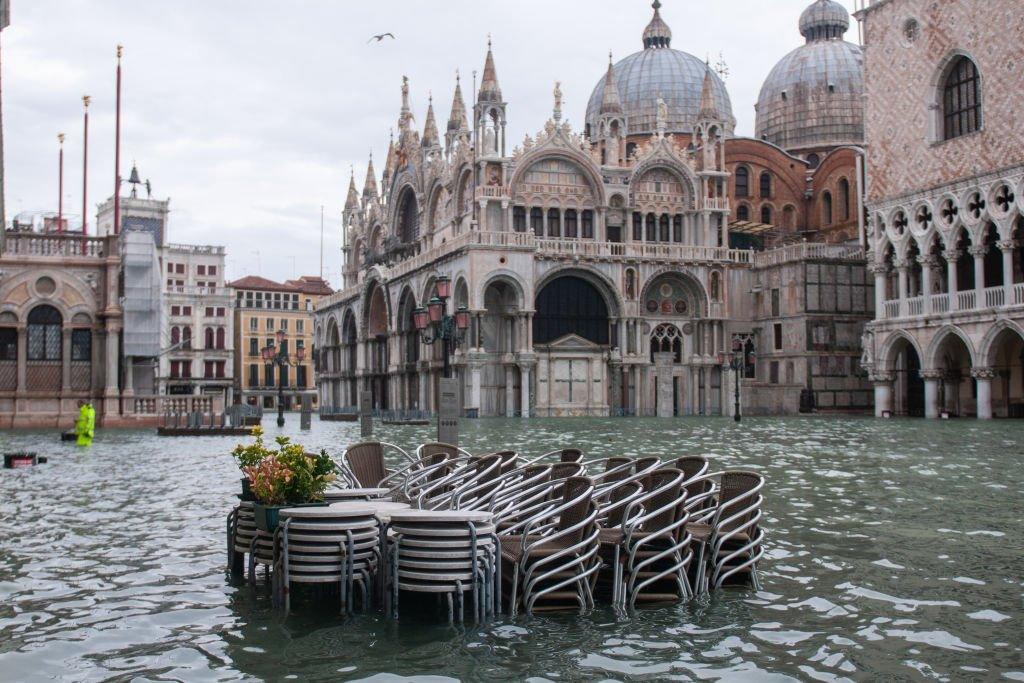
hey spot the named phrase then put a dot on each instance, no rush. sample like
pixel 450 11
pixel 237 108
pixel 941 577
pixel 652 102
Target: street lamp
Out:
pixel 276 355
pixel 434 324
pixel 736 362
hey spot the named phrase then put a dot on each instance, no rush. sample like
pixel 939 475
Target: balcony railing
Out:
pixel 967 300
pixel 53 245
pixel 807 250
pixel 493 191
pixel 716 204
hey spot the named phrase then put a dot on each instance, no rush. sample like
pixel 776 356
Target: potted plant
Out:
pixel 250 455
pixel 286 477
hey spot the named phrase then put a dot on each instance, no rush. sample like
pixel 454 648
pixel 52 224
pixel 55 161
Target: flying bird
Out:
pixel 381 37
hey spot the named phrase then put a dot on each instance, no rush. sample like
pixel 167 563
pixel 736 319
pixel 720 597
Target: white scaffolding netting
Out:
pixel 141 295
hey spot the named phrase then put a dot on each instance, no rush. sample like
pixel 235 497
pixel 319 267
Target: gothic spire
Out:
pixel 657 33
pixel 352 201
pixel 610 102
pixel 430 136
pixel 457 119
pixel 370 184
pixel 490 91
pixel 708 107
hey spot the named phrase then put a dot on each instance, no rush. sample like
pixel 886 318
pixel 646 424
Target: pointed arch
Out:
pixel 988 349
pixel 931 358
pixel 891 346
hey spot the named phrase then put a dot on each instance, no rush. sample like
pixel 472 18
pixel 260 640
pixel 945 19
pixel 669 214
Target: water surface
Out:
pixel 894 551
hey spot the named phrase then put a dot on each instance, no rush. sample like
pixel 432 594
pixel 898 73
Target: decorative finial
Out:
pixel 609 57
pixel 86 100
pixel 656 5
pixel 488 41
pixel 120 50
pixel 60 138
pixel 457 78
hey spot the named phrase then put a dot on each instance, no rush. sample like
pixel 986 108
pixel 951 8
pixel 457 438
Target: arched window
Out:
pixel 208 338
pixel 677 228
pixel 844 199
pixel 813 160
pixel 554 223
pixel 408 218
pixel 652 227
pixel 742 181
pixel 766 215
pixel 826 207
pixel 570 223
pixel 587 224
pixel 220 337
pixel 766 185
pixel 186 336
pixel 537 221
pixel 788 217
pixel 961 99
pixel 519 219
pixel 175 335
pixel 716 286
pixel 638 227
pixel 44 333
pixel 570 305
pixel 743 212
pixel 663 235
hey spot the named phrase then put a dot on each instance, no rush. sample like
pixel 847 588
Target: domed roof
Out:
pixel 657 70
pixel 814 95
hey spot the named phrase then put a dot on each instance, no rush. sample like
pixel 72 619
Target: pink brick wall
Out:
pixel 899 76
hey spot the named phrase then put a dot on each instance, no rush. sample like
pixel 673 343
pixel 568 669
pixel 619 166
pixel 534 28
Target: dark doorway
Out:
pixel 570 305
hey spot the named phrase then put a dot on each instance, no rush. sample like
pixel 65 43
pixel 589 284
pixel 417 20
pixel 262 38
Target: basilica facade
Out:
pixel 614 269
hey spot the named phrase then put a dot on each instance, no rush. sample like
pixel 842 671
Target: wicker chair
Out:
pixel 554 556
pixel 729 532
pixel 366 465
pixel 650 546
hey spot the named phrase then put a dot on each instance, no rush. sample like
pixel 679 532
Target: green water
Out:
pixel 894 552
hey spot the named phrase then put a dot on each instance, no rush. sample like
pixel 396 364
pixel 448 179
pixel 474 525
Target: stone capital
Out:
pixel 952 254
pixel 882 377
pixel 1007 245
pixel 983 373
pixel 903 264
pixel 927 260
pixel 978 250
pixel 932 375
pixel 879 268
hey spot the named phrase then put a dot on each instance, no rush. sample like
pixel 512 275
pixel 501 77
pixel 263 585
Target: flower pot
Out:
pixel 247 493
pixel 267 516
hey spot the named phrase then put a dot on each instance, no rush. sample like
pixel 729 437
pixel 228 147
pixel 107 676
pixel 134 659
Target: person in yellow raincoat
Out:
pixel 85 425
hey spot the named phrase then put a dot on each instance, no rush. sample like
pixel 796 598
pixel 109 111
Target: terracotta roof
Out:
pixel 262 283
pixel 311 284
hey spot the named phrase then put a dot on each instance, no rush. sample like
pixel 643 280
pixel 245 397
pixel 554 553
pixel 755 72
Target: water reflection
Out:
pixel 894 552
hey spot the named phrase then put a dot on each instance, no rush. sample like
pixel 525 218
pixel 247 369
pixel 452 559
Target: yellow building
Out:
pixel 269 313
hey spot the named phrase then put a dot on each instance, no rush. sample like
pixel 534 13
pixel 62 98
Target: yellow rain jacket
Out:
pixel 85 426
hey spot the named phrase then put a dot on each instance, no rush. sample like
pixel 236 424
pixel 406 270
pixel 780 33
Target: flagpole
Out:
pixel 117 149
pixel 321 241
pixel 60 183
pixel 85 169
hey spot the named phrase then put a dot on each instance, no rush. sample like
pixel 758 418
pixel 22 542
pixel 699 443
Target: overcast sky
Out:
pixel 248 115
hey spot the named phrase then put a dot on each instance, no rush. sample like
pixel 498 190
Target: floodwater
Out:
pixel 895 552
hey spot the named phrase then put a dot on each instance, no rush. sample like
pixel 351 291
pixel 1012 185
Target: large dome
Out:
pixel 813 98
pixel 658 70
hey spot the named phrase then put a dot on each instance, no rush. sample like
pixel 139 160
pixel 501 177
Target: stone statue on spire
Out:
pixel 662 117
pixel 558 101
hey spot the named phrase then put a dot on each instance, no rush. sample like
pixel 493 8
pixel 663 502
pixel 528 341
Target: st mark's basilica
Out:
pixel 612 270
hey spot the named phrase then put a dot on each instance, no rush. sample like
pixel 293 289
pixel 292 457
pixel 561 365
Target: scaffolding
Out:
pixel 141 295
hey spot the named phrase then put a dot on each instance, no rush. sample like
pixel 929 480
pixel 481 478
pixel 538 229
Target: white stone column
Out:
pixel 1007 247
pixel 978 252
pixel 525 390
pixel 510 392
pixel 983 377
pixel 927 263
pixel 474 393
pixel 113 353
pixel 883 392
pixel 903 267
pixel 22 357
pixel 952 256
pixel 424 384
pixel 879 269
pixel 931 393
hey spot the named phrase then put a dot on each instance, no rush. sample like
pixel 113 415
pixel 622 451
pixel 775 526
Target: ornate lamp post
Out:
pixel 434 324
pixel 276 355
pixel 736 363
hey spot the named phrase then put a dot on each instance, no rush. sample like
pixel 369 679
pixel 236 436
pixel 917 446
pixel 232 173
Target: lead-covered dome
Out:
pixel 658 70
pixel 813 98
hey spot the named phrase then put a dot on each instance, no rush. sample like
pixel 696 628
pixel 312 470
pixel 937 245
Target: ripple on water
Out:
pixel 878 565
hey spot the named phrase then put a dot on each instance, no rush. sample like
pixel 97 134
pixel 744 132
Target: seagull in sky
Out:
pixel 381 37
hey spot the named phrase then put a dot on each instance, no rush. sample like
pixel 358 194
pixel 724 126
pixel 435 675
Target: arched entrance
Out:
pixel 377 346
pixel 908 385
pixel 349 352
pixel 1006 358
pixel 409 348
pixel 571 334
pixel 956 393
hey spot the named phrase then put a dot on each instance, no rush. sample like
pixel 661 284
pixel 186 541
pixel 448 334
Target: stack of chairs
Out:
pixel 327 545
pixel 444 552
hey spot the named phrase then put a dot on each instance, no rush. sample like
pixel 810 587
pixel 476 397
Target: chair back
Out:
pixel 646 464
pixel 665 486
pixel 570 455
pixel 733 498
pixel 693 466
pixel 435 452
pixel 616 502
pixel 577 499
pixel 616 463
pixel 366 462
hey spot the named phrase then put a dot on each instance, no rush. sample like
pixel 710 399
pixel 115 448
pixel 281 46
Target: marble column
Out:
pixel 883 392
pixel 879 269
pixel 510 392
pixel 424 383
pixel 524 390
pixel 952 256
pixel 983 377
pixel 113 355
pixel 903 268
pixel 22 357
pixel 931 393
pixel 473 407
pixel 1007 247
pixel 927 263
pixel 65 363
pixel 978 252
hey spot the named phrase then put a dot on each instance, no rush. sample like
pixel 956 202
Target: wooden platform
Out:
pixel 203 431
pixel 340 417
